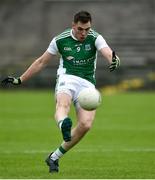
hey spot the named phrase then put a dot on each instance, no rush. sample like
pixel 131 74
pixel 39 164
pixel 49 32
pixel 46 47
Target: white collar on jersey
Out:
pixel 73 35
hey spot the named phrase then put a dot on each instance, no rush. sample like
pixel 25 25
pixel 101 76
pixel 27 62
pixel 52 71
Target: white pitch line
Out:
pixel 82 151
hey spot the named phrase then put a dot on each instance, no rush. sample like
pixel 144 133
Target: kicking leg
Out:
pixel 84 123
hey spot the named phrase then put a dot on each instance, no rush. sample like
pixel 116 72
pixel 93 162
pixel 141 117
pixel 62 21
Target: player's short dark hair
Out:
pixel 82 16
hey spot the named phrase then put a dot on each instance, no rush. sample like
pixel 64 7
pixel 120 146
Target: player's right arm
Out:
pixel 35 67
pixel 41 62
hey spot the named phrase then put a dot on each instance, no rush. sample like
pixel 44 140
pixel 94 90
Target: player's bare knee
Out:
pixel 62 108
pixel 63 102
pixel 63 105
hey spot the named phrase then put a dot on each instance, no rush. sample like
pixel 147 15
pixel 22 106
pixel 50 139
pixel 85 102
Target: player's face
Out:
pixel 81 30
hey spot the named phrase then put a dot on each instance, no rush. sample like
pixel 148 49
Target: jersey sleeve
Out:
pixel 52 48
pixel 100 43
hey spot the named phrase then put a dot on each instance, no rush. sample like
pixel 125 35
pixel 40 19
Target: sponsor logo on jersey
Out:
pixel 67 49
pixel 83 61
pixel 70 58
pixel 87 47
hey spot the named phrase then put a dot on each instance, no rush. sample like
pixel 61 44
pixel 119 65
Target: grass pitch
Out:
pixel 121 143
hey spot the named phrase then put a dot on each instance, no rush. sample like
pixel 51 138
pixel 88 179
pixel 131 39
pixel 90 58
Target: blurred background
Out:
pixel 28 26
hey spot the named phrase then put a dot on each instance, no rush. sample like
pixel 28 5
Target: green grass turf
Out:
pixel 121 143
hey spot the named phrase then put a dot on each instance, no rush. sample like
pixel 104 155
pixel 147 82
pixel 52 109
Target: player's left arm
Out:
pixel 107 53
pixel 112 58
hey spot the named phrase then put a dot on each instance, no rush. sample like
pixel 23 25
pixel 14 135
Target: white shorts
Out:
pixel 71 85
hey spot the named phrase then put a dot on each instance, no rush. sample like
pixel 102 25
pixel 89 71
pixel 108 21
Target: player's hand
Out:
pixel 115 62
pixel 11 80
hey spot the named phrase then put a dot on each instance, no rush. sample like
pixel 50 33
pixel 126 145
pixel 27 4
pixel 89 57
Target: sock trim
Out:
pixel 62 150
pixel 60 122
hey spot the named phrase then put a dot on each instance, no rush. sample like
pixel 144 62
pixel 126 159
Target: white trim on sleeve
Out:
pixel 100 43
pixel 52 48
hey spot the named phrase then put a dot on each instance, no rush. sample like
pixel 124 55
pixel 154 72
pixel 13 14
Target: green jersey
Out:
pixel 77 58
